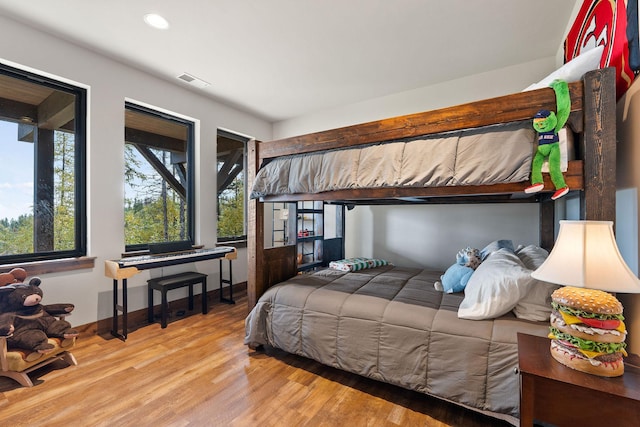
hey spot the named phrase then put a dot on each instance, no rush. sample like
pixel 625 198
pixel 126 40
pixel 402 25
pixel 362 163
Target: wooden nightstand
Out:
pixel 553 393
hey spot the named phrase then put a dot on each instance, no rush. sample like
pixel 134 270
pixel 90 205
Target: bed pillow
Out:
pixel 496 286
pixel 536 304
pixel 573 70
pixel 532 256
pixel 495 246
pixel 355 264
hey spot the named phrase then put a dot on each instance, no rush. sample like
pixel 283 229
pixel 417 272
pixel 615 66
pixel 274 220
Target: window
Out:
pixel 159 192
pixel 42 188
pixel 231 186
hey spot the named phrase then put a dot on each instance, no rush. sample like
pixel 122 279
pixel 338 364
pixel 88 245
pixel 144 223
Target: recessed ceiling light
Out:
pixel 156 21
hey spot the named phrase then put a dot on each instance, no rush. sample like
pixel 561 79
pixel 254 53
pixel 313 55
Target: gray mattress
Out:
pixel 390 324
pixel 483 156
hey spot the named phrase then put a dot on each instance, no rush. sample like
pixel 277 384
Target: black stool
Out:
pixel 175 281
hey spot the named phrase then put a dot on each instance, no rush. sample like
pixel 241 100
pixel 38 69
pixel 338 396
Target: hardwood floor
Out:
pixel 197 372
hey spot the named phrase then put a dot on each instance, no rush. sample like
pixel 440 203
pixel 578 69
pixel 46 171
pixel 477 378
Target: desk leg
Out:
pixel 114 318
pixel 117 308
pixel 229 282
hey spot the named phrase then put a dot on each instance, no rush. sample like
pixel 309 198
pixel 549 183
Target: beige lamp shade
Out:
pixel 586 255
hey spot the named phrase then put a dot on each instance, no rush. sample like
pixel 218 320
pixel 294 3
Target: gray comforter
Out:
pixel 492 155
pixel 390 324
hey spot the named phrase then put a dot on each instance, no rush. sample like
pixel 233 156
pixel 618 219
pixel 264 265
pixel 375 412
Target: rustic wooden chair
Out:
pixel 17 363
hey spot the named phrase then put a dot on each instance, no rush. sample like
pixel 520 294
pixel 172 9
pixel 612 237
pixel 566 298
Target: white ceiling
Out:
pixel 285 58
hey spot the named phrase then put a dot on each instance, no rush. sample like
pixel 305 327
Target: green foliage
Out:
pixel 231 210
pixel 153 220
pixel 64 192
pixel 158 217
pixel 17 235
pixel 161 215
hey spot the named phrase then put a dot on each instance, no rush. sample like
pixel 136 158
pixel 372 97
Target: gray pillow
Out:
pixel 495 246
pixel 536 304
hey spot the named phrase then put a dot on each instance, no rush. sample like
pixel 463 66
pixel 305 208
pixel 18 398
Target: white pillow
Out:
pixel 536 304
pixel 496 286
pixel 573 70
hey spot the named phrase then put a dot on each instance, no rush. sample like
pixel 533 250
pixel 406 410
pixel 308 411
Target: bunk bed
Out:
pixel 388 322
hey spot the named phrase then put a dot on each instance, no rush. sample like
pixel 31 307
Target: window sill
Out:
pixel 235 243
pixel 53 266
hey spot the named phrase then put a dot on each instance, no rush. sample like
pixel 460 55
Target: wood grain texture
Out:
pixel 255 227
pixel 503 109
pixel 547 224
pixel 52 266
pixel 558 395
pixel 598 201
pixel 280 264
pixel 197 372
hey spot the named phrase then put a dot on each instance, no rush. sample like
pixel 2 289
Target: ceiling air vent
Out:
pixel 192 80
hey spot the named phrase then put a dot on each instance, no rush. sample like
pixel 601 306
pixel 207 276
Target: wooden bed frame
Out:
pixel 592 177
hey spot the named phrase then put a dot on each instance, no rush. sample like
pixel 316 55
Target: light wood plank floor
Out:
pixel 197 372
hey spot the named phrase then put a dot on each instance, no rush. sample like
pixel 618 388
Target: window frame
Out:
pixel 80 166
pixel 245 141
pixel 190 156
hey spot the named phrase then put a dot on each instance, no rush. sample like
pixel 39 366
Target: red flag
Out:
pixel 603 22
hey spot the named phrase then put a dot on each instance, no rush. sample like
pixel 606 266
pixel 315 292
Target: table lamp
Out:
pixel 587 330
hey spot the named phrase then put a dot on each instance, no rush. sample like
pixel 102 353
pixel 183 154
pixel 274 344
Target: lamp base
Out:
pixel 612 366
pixel 587 331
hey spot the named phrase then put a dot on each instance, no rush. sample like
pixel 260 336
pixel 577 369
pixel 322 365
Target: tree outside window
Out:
pixel 158 178
pixel 231 186
pixel 42 192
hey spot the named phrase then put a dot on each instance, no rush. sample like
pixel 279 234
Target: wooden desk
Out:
pixel 553 393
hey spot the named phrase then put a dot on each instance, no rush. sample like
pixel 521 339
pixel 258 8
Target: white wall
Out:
pixel 430 236
pixel 109 83
pixel 472 88
pixel 627 204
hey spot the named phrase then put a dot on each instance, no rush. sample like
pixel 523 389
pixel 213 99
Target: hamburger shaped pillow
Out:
pixel 587 331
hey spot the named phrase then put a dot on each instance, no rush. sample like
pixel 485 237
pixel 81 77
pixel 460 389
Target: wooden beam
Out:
pixel 26 132
pixel 56 110
pixel 504 109
pixel 255 229
pixel 140 137
pixel 162 170
pixel 229 179
pixel 598 201
pixel 224 176
pixel 17 111
pixel 547 223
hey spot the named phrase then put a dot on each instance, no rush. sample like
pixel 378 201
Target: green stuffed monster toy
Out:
pixel 547 124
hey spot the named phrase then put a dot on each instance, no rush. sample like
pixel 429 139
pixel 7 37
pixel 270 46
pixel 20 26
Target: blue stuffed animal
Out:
pixel 456 277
